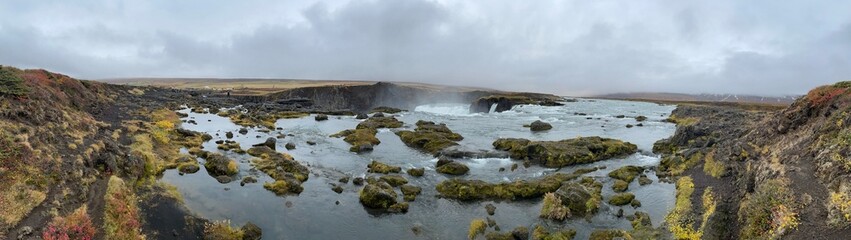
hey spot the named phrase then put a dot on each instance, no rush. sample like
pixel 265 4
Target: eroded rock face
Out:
pixel 565 152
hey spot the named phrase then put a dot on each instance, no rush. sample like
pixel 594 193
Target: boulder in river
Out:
pixel 538 125
pixel 379 195
pixel 270 142
pixel 379 167
pixel 430 137
pixel 566 152
pixel 453 168
pixel 321 117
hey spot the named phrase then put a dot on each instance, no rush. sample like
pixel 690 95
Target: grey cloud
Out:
pixel 565 47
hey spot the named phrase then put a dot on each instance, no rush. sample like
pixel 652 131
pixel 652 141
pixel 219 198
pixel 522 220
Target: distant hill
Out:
pixel 680 97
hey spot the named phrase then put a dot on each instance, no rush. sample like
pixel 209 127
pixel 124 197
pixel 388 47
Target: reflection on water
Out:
pixel 315 214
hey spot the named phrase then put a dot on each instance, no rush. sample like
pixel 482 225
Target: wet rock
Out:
pixel 410 192
pixel 401 207
pixel 337 189
pixel 626 173
pixel 620 116
pixel 219 165
pixel 644 180
pixel 640 220
pixel 619 214
pixel 502 169
pixel 635 203
pixel 361 116
pixel 453 168
pixel 376 122
pixel 491 222
pixel 270 142
pixel 620 186
pixel 290 146
pixel 640 118
pixel 458 152
pixel 442 161
pixel 609 234
pixel 520 233
pixel 430 137
pixel 378 114
pixel 513 167
pixel 491 209
pixel 281 136
pixel 321 117
pixel 537 126
pixel 344 180
pixel 464 189
pixel 362 140
pixel 247 180
pixel 394 180
pixel 311 143
pixel 582 198
pixel 285 186
pixel 540 233
pixel 379 167
pixel 385 109
pixel 621 199
pixel 243 131
pixel 416 172
pixel 565 152
pixel 629 126
pixel 251 232
pixel 188 167
pixel 224 179
pixel 357 181
pixel 379 195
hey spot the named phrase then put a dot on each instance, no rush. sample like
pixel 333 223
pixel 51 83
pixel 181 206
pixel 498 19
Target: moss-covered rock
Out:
pixel 320 117
pixel 609 234
pixel 541 233
pixel 621 199
pixel 644 180
pixel 376 122
pixel 379 167
pixel 416 172
pixel 188 167
pixel 229 145
pixel 362 140
pixel 285 186
pixel 394 180
pixel 463 189
pixel 565 152
pixel 620 186
pixel 378 195
pixel 401 207
pixel 430 137
pixel 453 168
pixel 553 208
pixel 278 165
pixel 582 198
pixel 538 125
pixel 219 165
pixel 410 192
pixel 384 109
pixel 626 173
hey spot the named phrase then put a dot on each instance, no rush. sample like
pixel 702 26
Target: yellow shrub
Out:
pixel 842 203
pixel 680 219
pixel 164 124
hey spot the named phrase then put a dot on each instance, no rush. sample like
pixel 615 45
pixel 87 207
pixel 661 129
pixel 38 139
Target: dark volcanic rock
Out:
pixel 270 142
pixel 321 117
pixel 539 126
pixel 290 146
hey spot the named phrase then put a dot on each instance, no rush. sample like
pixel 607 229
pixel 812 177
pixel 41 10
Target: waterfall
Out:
pixel 493 108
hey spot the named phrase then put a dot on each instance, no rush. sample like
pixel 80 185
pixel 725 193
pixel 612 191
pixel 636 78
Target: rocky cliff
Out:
pixel 784 174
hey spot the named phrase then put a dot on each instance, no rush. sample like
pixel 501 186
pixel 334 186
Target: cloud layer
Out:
pixel 565 47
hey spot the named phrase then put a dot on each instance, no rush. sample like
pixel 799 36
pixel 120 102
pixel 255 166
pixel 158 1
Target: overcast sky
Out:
pixel 764 47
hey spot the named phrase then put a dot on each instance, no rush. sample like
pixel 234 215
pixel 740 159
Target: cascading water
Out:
pixel 493 108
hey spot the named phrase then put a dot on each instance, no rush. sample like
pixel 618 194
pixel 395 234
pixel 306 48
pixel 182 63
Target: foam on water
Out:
pixel 446 109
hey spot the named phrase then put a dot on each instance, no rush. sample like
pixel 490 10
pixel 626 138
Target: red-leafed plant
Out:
pixel 78 225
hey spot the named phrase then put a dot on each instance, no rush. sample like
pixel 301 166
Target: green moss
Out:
pixel 380 122
pixel 394 180
pixel 621 199
pixel 541 233
pixel 620 186
pixel 277 165
pixel 379 195
pixel 608 234
pixel 416 172
pixel 477 226
pixel 281 187
pixel 477 190
pixel 681 218
pixel 360 139
pixel 379 167
pixel 188 167
pixel 675 165
pixel 626 173
pixel 453 168
pixel 410 192
pixel 430 137
pixel 565 152
pixel 390 110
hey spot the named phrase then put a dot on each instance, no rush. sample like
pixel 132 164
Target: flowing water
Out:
pixel 315 214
